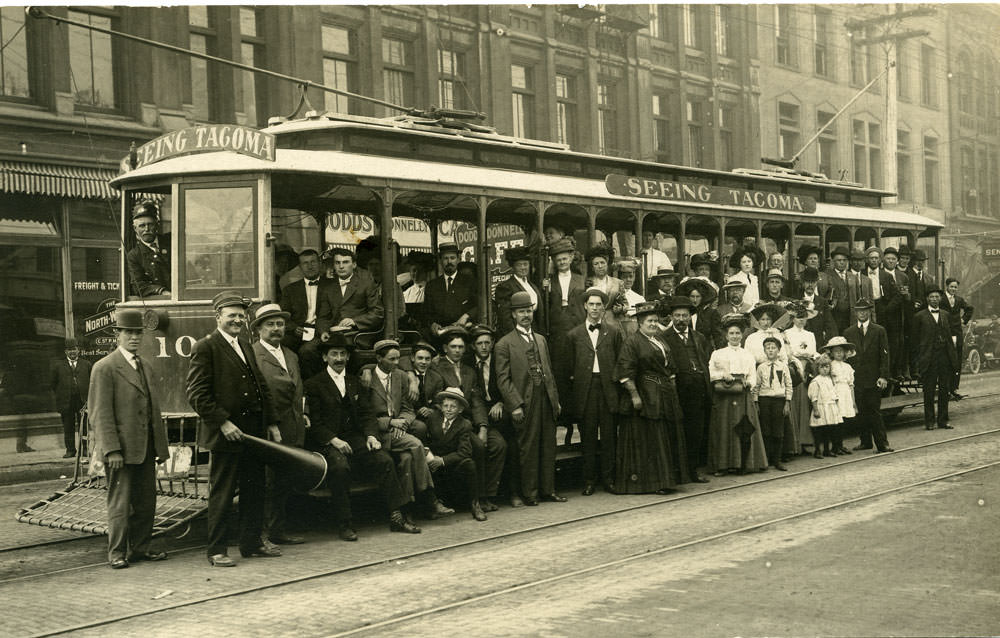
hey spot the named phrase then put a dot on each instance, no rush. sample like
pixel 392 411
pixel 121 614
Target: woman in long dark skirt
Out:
pixel 651 450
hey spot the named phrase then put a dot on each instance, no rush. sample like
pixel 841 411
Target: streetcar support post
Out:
pixel 482 256
pixel 388 263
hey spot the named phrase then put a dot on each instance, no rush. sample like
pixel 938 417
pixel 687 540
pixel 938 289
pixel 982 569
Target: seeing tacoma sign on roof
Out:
pixel 706 194
pixel 203 139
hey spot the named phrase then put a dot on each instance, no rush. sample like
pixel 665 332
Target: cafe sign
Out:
pixel 204 139
pixel 721 196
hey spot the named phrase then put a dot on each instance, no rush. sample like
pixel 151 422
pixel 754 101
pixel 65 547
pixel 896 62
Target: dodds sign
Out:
pixel 627 186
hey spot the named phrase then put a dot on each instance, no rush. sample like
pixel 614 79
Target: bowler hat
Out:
pixel 515 254
pixel 936 289
pixel 840 250
pixel 70 343
pixel 905 250
pixel 228 298
pixel 128 319
pixel 385 344
pixel 863 303
pixel 918 255
pixel 680 301
pixel 809 274
pixel 663 271
pixel 336 340
pixel 266 311
pixel 857 254
pixel 444 249
pixel 147 208
pixel 452 393
pixel 595 291
pixel 520 299
pixel 559 246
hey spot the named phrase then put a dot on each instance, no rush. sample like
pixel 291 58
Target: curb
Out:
pixel 36 472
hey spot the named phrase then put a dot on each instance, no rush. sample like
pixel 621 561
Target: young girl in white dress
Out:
pixel 840 349
pixel 825 411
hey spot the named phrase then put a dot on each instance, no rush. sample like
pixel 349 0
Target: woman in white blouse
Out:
pixel 745 263
pixel 733 372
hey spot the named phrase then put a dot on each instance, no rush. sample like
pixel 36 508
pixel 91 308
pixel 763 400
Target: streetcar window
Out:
pixel 219 230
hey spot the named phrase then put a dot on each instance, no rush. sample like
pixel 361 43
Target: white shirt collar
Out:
pixel 382 376
pixel 271 348
pixel 336 376
pixel 129 356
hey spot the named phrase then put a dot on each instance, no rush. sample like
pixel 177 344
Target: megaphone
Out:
pixel 307 469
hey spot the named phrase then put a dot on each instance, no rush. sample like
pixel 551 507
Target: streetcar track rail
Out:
pixel 518 532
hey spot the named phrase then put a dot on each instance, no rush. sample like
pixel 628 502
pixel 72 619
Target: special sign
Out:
pixel 627 186
pixel 204 139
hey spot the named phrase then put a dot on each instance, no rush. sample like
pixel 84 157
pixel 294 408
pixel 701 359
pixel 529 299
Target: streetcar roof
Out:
pixel 376 171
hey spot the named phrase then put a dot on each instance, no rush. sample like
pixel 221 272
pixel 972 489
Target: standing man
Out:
pixel 519 260
pixel 280 367
pixel 70 381
pixel 857 263
pixel 938 360
pixel 594 347
pixel 774 284
pixel 564 291
pixel 920 283
pixel 822 325
pixel 895 320
pixel 300 299
pixel 654 259
pixel 661 284
pixel 125 417
pixel 149 260
pixel 452 297
pixel 227 390
pixel 871 376
pixel 524 376
pixel 691 350
pixel 961 314
pixel 844 287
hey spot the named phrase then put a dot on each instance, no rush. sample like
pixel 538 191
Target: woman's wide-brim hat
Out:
pixel 809 249
pixel 452 393
pixel 646 308
pixel 773 310
pixel 840 342
pixel 515 254
pixel 800 310
pixel 733 319
pixel 701 259
pixel 703 286
pixel 751 251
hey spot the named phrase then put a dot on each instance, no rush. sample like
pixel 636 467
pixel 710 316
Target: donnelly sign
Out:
pixel 627 186
pixel 204 139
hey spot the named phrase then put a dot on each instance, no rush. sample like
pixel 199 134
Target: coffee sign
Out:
pixel 722 196
pixel 205 139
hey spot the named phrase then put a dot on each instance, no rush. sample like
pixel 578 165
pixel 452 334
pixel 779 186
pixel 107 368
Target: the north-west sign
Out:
pixel 721 196
pixel 204 139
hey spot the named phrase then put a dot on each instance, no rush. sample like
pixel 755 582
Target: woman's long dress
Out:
pixel 651 449
pixel 728 410
pixel 801 346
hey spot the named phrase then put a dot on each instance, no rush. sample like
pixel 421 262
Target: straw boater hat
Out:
pixel 385 344
pixel 452 393
pixel 267 311
pixel 732 283
pixel 663 272
pixel 841 342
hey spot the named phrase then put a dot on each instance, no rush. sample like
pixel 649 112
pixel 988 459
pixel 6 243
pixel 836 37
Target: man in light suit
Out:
pixel 932 331
pixel 594 346
pixel 70 380
pixel 519 260
pixel 524 376
pixel 226 388
pixel 280 367
pixel 844 286
pixel 871 375
pixel 125 416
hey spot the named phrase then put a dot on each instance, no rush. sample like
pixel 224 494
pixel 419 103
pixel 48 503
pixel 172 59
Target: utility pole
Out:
pixel 883 30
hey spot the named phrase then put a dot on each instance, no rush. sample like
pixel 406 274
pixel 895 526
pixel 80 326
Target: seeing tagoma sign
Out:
pixel 203 139
pixel 627 186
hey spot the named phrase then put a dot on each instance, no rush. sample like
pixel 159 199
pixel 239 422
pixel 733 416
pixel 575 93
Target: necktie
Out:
pixel 142 374
pixel 312 282
pixel 684 337
pixel 594 327
pixel 388 396
pixel 72 364
pixel 771 381
pixel 445 426
pixel 448 283
pixel 482 379
pixel 420 384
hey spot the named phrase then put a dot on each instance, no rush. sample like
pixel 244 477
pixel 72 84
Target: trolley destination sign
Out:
pixel 204 139
pixel 627 186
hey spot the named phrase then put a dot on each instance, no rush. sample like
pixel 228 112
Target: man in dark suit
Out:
pixel 125 417
pixel 350 301
pixel 932 331
pixel 280 367
pixel 895 321
pixel 300 299
pixel 449 436
pixel 920 283
pixel 961 314
pixel 488 445
pixel 149 259
pixel 844 287
pixel 690 350
pixel 227 390
pixel 70 381
pixel 341 430
pixel 524 376
pixel 451 298
pixel 563 291
pixel 822 325
pixel 774 285
pixel 593 352
pixel 871 375
pixel 519 260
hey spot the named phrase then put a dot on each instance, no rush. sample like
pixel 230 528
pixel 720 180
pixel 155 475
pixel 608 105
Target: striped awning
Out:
pixel 57 180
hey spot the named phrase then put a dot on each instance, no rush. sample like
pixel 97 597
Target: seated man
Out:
pixel 149 260
pixel 351 302
pixel 300 299
pixel 341 431
pixel 450 447
pixel 450 298
pixel 390 416
pixel 421 356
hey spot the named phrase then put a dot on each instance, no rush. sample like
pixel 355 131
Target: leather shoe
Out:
pixel 287 539
pixel 861 447
pixel 477 511
pixel 24 447
pixel 884 450
pixel 553 498
pixel 69 455
pixel 515 501
pixel 955 396
pixel 118 563
pixel 780 467
pixel 946 426
pixel 588 490
pixel 221 560
pixel 397 523
pixel 844 450
pixel 439 509
pixel 488 505
pixel 930 426
pixel 698 478
pixel 530 502
pixel 150 556
pixel 347 533
pixel 261 550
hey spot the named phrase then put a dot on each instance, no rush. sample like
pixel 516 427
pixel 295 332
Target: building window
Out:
pixel 451 85
pixel 339 64
pixel 251 52
pixel 694 26
pixel 14 55
pixel 783 30
pixel 695 131
pixel 200 40
pixel 522 100
pixel 659 22
pixel 723 30
pixel 964 83
pixel 789 129
pixel 661 127
pixel 902 70
pixel 821 48
pixel 867 153
pixel 928 77
pixel 862 65
pixel 827 144
pixel 932 193
pixel 970 198
pixel 606 114
pixel 397 73
pixel 727 116
pixel 904 167
pixel 565 110
pixel 91 62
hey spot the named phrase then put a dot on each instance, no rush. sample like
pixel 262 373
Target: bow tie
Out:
pixel 594 326
pixel 312 282
pixel 934 310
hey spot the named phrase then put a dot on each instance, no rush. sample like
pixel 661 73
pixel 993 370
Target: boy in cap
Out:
pixel 449 444
pixel 773 396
